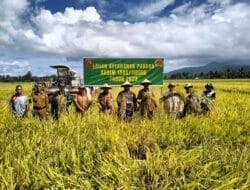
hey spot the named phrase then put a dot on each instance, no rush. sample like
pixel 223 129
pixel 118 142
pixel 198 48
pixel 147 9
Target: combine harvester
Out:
pixel 68 77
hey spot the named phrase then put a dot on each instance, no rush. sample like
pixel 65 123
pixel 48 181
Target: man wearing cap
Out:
pixel 60 101
pixel 19 103
pixel 105 99
pixel 126 101
pixel 192 101
pixel 173 102
pixel 40 101
pixel 145 98
pixel 208 98
pixel 81 100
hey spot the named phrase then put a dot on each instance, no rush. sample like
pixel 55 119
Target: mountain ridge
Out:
pixel 213 66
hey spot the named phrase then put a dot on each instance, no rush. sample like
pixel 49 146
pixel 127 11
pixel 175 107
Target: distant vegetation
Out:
pixel 223 74
pixel 28 77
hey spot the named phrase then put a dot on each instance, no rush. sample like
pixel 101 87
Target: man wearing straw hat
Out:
pixel 126 101
pixel 105 99
pixel 145 98
pixel 173 102
pixel 192 101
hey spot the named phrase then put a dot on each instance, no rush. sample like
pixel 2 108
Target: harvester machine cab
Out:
pixel 65 76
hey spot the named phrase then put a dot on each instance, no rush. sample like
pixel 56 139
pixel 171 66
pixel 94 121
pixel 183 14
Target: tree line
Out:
pixel 28 77
pixel 222 74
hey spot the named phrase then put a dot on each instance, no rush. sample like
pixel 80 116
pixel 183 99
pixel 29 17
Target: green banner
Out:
pixel 98 71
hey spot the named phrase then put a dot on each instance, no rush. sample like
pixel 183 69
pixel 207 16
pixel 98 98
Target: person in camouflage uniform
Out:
pixel 105 99
pixel 126 101
pixel 208 98
pixel 209 92
pixel 81 100
pixel 173 102
pixel 146 101
pixel 60 102
pixel 40 102
pixel 192 101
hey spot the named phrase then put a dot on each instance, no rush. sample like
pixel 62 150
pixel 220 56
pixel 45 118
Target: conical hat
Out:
pixel 105 86
pixel 127 83
pixel 82 87
pixel 171 84
pixel 188 85
pixel 146 81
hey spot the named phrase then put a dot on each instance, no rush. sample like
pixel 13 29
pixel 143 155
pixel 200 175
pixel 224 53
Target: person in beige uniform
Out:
pixel 81 100
pixel 40 102
pixel 145 98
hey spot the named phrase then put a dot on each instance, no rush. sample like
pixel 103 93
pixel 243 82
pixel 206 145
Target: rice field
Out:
pixel 102 152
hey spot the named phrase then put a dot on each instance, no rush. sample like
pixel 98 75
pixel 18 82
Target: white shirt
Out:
pixel 18 104
pixel 172 102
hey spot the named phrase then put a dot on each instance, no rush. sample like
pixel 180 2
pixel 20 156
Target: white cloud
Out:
pixel 10 10
pixel 220 2
pixel 150 9
pixel 70 16
pixel 14 67
pixel 46 20
pixel 192 37
pixel 182 9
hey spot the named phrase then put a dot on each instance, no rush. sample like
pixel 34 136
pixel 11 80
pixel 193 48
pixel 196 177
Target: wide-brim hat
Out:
pixel 209 85
pixel 105 86
pixel 127 83
pixel 171 84
pixel 188 85
pixel 146 81
pixel 82 87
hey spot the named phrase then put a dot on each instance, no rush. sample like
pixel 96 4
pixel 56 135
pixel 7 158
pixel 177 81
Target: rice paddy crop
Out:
pixel 100 151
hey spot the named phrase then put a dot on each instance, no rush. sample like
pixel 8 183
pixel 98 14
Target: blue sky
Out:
pixel 37 33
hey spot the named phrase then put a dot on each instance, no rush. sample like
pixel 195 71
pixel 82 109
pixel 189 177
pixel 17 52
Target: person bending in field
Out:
pixel 105 99
pixel 81 100
pixel 19 103
pixel 173 102
pixel 145 98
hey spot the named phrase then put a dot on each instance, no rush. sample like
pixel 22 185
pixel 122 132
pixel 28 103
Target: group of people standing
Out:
pixel 127 101
pixel 176 105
